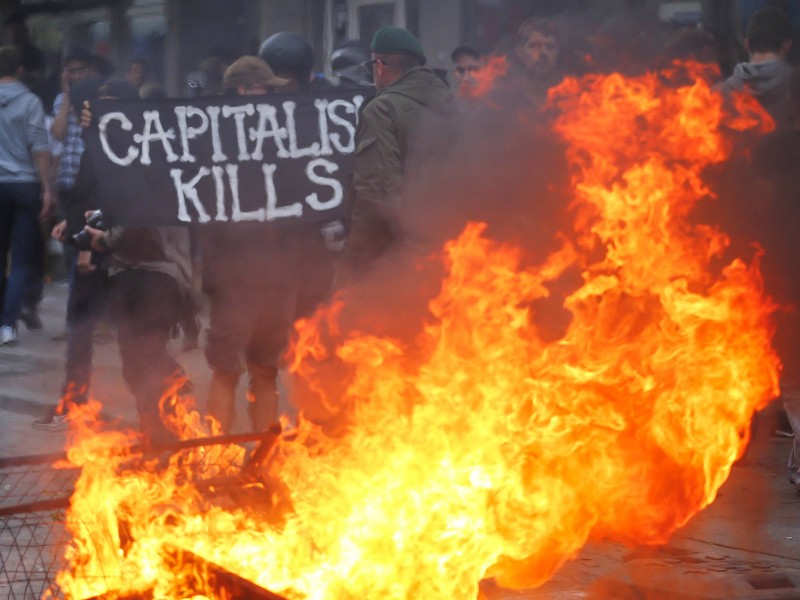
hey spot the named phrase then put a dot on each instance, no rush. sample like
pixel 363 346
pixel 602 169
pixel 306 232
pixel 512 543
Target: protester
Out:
pixel 189 322
pixel 25 193
pixel 407 92
pixel 150 275
pixel 138 72
pixel 66 130
pixel 776 222
pixel 766 75
pixel 291 57
pixel 466 62
pixel 249 275
pixel 150 271
pixel 538 51
pixel 88 283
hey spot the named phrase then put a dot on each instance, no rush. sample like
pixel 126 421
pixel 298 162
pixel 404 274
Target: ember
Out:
pixel 496 454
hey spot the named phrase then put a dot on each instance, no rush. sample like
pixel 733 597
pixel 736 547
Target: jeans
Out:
pixel 20 233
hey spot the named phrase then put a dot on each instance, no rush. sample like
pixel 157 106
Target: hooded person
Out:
pixel 390 125
pixel 25 194
pixel 766 76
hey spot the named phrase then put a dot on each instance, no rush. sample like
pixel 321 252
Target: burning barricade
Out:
pixel 485 450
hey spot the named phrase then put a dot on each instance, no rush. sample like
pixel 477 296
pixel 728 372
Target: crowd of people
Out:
pixel 143 276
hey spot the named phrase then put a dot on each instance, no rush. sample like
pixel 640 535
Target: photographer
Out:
pixel 149 272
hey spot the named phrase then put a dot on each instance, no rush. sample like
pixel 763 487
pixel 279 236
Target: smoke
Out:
pixel 497 160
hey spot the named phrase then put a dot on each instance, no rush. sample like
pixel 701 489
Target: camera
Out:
pixel 82 240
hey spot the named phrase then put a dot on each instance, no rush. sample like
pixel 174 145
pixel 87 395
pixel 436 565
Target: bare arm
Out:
pixel 61 118
pixel 43 165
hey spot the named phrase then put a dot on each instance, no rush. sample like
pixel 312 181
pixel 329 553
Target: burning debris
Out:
pixel 485 450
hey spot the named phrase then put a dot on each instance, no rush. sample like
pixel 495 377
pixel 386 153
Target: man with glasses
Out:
pixel 407 93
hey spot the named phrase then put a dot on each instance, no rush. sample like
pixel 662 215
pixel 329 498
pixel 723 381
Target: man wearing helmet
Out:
pixel 290 56
pixel 407 92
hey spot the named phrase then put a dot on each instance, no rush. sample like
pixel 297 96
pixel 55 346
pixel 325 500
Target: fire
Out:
pixel 488 451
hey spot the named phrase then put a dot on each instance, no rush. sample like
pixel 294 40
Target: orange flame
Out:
pixel 491 452
pixel 67 400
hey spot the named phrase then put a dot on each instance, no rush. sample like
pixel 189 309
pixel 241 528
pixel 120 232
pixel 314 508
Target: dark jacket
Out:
pixel 389 129
pixel 249 255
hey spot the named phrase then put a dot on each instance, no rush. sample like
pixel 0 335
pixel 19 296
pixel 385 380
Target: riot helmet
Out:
pixel 288 53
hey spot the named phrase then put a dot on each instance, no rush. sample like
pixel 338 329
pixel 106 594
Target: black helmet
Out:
pixel 288 53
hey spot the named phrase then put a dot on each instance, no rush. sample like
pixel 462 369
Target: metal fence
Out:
pixel 34 496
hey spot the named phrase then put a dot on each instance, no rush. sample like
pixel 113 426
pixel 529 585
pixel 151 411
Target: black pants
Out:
pixel 86 305
pixel 146 305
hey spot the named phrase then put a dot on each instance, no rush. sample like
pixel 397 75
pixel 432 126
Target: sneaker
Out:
pixel 52 422
pixel 8 335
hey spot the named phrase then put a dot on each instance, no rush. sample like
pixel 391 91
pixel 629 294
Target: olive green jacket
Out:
pixel 387 144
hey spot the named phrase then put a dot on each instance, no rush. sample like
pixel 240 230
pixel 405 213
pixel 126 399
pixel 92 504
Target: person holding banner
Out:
pixel 291 58
pixel 150 269
pixel 249 274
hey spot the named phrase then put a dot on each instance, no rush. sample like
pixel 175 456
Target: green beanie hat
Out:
pixel 395 40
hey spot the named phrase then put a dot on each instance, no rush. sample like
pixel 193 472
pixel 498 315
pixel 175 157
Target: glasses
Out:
pixel 464 70
pixel 369 66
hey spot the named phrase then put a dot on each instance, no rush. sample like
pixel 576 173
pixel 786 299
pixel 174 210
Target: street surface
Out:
pixel 745 545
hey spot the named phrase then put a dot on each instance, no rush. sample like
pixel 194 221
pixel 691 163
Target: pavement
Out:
pixel 745 545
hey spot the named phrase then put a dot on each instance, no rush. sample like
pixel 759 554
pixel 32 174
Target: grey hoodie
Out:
pixel 22 133
pixel 767 82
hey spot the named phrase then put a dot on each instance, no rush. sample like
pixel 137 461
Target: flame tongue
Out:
pixel 501 453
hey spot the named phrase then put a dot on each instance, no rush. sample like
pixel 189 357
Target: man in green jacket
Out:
pixel 408 96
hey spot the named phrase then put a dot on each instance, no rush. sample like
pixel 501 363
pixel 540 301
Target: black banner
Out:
pixel 272 159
